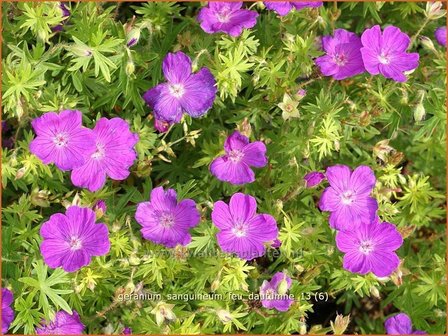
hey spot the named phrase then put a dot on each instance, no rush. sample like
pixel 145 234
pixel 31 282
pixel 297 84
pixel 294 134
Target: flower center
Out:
pixel 269 293
pixel 75 243
pixel 224 15
pixel 366 247
pixel 240 230
pixel 236 155
pixel 383 58
pixel 167 220
pixel 61 139
pixel 99 152
pixel 347 197
pixel 340 59
pixel 177 90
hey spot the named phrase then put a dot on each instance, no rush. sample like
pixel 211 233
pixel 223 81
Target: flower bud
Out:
pixel 340 324
pixel 20 173
pixel 375 292
pixel 215 285
pixel 434 10
pixel 419 112
pixel 224 315
pixel 130 67
pixel 427 43
pixel 132 37
pixel 100 208
pixel 282 287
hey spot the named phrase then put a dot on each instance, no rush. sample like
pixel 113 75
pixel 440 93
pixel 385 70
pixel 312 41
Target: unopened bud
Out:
pixel 132 37
pixel 130 67
pixel 224 315
pixel 20 173
pixel 375 292
pixel 434 10
pixel 419 112
pixel 282 287
pixel 427 43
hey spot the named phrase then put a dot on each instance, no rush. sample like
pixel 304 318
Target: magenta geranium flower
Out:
pixel 343 56
pixel 401 324
pixel 66 14
pixel 164 220
pixel 113 157
pixel 385 53
pixel 440 35
pixel 313 179
pixel 192 93
pixel 348 196
pixel 273 293
pixel 7 312
pixel 62 139
pixel 62 324
pixel 370 247
pixel 284 7
pixel 71 240
pixel 241 230
pixel 226 17
pixel 234 166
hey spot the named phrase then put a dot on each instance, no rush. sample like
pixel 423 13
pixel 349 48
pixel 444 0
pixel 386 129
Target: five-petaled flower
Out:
pixel 284 7
pixel 113 156
pixel 401 324
pixel 164 220
pixel 63 323
pixel 385 53
pixel 348 196
pixel 241 230
pixel 192 93
pixel 234 166
pixel 71 240
pixel 62 139
pixel 343 56
pixel 227 17
pixel 370 248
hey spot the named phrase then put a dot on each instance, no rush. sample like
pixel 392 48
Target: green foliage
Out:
pixel 396 128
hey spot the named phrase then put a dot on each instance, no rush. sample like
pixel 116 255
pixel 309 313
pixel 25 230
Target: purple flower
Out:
pixel 161 126
pixel 62 139
pixel 440 35
pixel 100 207
pixel 7 312
pixel 276 243
pixel 370 247
pixel 127 331
pixel 62 324
pixel 385 53
pixel 192 93
pixel 164 220
pixel 401 324
pixel 226 17
pixel 113 157
pixel 70 240
pixel 284 7
pixel 242 230
pixel 313 178
pixel 273 293
pixel 65 13
pixel 234 166
pixel 348 196
pixel 343 58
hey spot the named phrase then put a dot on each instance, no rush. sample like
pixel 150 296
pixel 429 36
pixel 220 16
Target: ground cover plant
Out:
pixel 209 168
